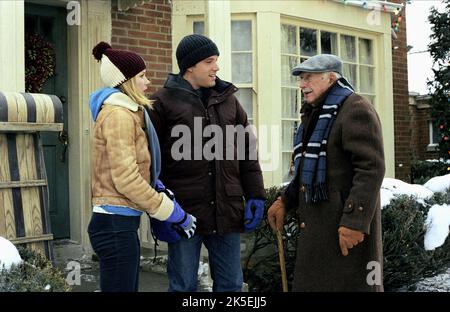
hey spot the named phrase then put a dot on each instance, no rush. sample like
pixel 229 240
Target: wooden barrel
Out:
pixel 24 213
pixel 30 112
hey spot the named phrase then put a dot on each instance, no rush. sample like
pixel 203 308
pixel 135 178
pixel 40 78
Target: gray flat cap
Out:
pixel 319 64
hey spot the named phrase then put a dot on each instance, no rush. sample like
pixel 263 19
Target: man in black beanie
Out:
pixel 205 183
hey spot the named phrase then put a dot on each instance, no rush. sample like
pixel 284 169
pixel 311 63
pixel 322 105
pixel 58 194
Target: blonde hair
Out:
pixel 130 88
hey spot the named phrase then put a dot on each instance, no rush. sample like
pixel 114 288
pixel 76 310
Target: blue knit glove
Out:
pixel 254 211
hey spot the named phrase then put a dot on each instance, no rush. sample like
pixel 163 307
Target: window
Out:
pixel 433 135
pixel 199 28
pixel 298 43
pixel 241 61
pixel 290 94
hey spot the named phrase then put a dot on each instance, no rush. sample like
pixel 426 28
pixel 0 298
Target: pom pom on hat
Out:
pixel 100 49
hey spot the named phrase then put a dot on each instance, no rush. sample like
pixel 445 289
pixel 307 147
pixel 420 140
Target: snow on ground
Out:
pixel 438 223
pixel 8 254
pixel 438 184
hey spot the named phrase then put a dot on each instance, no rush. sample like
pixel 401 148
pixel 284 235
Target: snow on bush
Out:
pixel 438 219
pixel 9 255
pixel 438 184
pixel 437 223
pixel 393 187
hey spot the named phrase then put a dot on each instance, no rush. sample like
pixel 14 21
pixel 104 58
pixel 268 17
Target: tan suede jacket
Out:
pixel 121 159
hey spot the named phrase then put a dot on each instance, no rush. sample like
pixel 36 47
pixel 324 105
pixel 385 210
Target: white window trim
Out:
pixel 431 147
pixel 253 84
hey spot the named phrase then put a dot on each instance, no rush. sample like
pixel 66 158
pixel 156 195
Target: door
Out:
pixel 50 23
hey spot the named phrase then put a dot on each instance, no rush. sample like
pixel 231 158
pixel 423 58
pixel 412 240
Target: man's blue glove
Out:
pixel 254 211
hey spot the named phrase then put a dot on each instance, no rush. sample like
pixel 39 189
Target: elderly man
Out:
pixel 339 168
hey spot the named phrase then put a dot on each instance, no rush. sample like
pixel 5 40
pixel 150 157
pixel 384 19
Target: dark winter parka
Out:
pixel 355 170
pixel 212 189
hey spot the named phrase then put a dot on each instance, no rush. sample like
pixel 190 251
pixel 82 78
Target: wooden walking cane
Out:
pixel 282 262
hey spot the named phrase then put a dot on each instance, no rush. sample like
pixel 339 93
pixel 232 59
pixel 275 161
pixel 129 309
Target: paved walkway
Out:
pixel 152 277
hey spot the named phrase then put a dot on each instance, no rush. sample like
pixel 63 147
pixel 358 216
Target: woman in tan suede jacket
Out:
pixel 121 160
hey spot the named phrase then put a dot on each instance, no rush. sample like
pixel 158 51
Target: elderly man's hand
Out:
pixel 275 214
pixel 349 238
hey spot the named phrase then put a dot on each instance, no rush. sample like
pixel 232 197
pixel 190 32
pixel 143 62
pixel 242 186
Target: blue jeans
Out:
pixel 224 253
pixel 114 239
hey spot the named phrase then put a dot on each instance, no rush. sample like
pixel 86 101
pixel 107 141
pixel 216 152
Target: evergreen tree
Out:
pixel 439 88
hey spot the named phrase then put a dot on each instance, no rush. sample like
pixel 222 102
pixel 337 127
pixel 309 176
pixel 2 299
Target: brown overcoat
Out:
pixel 355 171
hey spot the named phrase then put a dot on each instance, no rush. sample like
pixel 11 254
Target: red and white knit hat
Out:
pixel 117 66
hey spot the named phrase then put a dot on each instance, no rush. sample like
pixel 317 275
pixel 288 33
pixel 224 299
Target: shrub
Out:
pixel 35 274
pixel 405 259
pixel 422 171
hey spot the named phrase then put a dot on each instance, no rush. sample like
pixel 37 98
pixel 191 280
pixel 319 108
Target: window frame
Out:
pixel 339 31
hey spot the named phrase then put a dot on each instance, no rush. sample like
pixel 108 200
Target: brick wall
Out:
pixel 146 30
pixel 402 118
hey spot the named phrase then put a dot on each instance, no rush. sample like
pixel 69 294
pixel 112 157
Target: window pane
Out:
pixel 366 79
pixel 435 135
pixel 241 35
pixel 287 133
pixel 365 51
pixel 308 41
pixel 289 103
pixel 199 28
pixel 350 73
pixel 241 67
pixel 287 63
pixel 245 97
pixel 348 48
pixel 288 39
pixel 328 42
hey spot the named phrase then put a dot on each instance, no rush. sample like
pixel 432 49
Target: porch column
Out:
pixel 218 28
pixel 84 78
pixel 12 45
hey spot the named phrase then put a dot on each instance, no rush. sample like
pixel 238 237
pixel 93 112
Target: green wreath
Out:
pixel 39 62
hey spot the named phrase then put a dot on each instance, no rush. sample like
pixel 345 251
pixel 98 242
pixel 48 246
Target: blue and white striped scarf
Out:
pixel 314 165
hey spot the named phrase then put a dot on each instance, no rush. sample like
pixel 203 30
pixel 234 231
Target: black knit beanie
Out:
pixel 193 49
